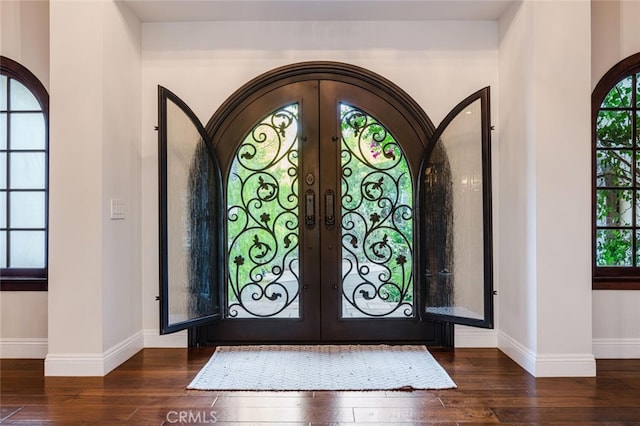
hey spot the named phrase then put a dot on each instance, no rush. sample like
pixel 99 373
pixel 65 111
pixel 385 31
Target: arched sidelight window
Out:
pixel 24 129
pixel 616 177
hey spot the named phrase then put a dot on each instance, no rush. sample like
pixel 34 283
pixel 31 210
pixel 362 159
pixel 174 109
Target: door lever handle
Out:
pixel 329 209
pixel 310 209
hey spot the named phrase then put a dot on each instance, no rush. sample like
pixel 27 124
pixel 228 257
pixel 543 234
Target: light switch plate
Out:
pixel 117 209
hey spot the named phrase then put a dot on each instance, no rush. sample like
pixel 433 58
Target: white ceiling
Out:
pixel 316 10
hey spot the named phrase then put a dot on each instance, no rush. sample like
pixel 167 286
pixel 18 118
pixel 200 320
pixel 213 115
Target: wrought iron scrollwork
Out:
pixel 262 220
pixel 377 220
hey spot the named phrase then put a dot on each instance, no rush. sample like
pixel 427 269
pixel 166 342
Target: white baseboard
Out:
pixel 468 337
pixel 74 364
pixel 93 364
pixel 124 350
pixel 524 356
pixel 565 365
pixel 547 365
pixel 31 348
pixel 153 339
pixel 616 348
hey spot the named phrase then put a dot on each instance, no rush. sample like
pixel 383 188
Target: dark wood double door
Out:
pixel 299 215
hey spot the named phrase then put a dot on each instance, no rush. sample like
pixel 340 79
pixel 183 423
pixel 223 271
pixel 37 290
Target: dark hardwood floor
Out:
pixel 149 389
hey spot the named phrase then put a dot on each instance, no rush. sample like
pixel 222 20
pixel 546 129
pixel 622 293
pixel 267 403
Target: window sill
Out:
pixel 23 284
pixel 616 283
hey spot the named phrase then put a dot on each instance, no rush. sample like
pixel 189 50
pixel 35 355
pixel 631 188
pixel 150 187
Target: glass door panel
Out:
pixel 377 220
pixel 370 159
pixel 262 221
pixel 457 217
pixel 190 191
pixel 269 153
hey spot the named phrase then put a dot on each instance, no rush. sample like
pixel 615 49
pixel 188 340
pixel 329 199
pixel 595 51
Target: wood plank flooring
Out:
pixel 150 389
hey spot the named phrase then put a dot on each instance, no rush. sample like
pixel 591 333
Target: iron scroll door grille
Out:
pixel 371 157
pixel 377 220
pixel 262 220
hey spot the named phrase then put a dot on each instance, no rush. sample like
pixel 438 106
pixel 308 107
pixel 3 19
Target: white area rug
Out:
pixel 327 367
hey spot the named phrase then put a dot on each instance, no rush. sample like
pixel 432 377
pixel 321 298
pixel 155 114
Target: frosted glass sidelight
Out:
pixel 3 130
pixel 3 92
pixel 454 177
pixel 190 211
pixel 3 249
pixel 27 170
pixel 27 131
pixel 183 139
pixel 27 249
pixel 27 209
pixel 21 98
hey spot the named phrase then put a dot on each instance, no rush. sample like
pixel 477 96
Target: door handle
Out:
pixel 329 209
pixel 310 209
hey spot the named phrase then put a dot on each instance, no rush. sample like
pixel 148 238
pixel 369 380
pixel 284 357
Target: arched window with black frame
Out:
pixel 24 182
pixel 616 177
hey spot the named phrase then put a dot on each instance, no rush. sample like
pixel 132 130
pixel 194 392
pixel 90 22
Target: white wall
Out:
pixel 615 36
pixel 24 37
pixel 75 240
pixel 563 216
pixel 545 309
pixel 121 161
pixel 516 228
pixel 95 319
pixel 437 63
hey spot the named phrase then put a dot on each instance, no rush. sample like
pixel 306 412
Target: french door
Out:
pixel 297 218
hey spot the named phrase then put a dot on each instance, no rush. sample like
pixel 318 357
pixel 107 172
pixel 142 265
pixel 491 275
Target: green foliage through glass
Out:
pixel 377 220
pixel 617 158
pixel 262 220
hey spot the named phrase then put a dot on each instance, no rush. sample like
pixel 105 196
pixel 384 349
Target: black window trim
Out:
pixel 29 279
pixel 611 278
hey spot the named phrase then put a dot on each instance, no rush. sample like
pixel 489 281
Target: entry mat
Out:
pixel 321 367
